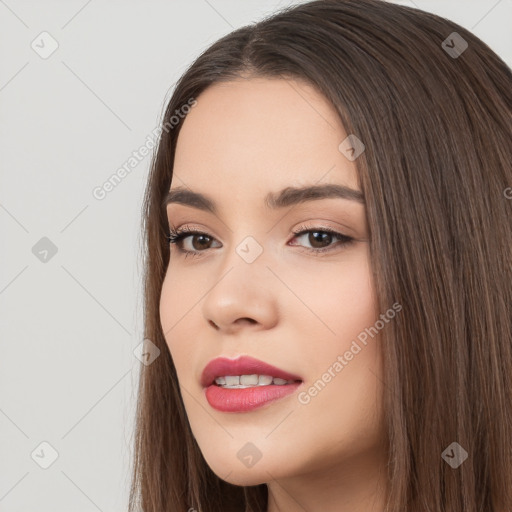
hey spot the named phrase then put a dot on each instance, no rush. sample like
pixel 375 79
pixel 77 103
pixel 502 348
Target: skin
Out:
pixel 294 309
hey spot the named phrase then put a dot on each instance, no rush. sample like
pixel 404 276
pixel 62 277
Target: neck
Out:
pixel 355 485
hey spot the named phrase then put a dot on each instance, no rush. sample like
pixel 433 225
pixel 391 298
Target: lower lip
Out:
pixel 246 399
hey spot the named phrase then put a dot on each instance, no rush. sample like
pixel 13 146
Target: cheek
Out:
pixel 343 300
pixel 340 294
pixel 353 304
pixel 181 292
pixel 342 398
pixel 177 299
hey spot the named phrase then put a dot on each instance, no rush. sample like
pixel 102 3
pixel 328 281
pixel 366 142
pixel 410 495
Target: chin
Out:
pixel 238 469
pixel 244 476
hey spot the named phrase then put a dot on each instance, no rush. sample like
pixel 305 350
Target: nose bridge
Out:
pixel 245 261
pixel 249 249
pixel 241 288
pixel 246 241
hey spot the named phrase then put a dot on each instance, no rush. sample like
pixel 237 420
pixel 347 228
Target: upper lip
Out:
pixel 243 365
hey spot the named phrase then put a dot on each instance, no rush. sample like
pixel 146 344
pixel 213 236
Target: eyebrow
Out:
pixel 286 197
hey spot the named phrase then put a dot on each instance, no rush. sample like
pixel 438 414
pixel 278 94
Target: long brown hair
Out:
pixel 437 129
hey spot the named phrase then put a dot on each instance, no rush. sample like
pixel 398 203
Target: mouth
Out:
pixel 250 381
pixel 244 372
pixel 244 384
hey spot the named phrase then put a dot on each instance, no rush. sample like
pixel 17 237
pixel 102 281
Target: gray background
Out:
pixel 69 321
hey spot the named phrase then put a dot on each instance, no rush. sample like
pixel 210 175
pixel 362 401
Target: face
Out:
pixel 249 286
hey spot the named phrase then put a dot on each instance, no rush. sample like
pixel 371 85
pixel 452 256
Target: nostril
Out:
pixel 248 320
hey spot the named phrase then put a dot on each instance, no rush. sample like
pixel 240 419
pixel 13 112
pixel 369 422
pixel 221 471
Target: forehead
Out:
pixel 249 136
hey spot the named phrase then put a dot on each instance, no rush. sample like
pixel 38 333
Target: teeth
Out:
pixel 247 381
pixel 232 380
pixel 264 380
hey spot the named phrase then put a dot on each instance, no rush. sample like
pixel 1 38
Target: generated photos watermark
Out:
pixel 343 360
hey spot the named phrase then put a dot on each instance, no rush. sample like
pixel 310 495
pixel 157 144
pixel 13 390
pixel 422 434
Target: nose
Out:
pixel 241 295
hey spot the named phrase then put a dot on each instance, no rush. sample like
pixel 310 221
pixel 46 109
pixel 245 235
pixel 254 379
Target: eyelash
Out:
pixel 178 235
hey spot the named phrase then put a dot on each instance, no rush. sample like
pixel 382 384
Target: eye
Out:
pixel 180 236
pixel 320 239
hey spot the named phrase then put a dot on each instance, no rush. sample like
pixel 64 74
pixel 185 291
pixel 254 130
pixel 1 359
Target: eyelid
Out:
pixel 317 225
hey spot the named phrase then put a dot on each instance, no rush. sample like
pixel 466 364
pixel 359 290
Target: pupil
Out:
pixel 203 237
pixel 322 235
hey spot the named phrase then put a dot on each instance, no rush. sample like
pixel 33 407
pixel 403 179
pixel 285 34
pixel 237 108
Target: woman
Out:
pixel 328 274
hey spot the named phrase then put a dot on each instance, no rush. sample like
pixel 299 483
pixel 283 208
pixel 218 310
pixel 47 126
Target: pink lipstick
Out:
pixel 245 383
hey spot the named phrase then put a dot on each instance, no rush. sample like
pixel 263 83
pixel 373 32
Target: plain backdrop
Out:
pixel 82 85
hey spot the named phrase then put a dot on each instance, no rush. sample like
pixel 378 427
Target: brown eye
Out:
pixel 319 242
pixel 202 241
pixel 321 239
pixel 199 241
